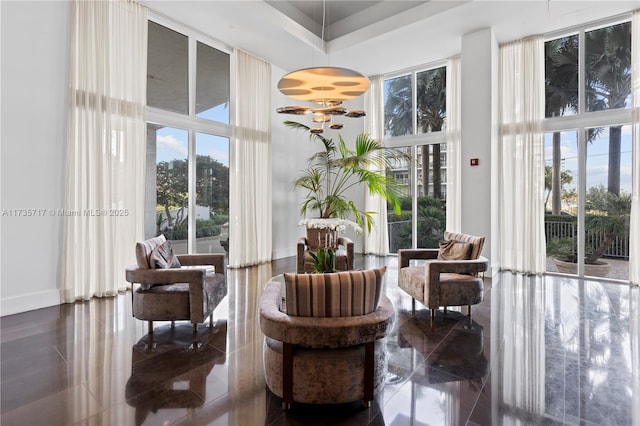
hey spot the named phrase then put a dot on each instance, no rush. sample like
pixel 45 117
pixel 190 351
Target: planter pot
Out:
pixel 322 237
pixel 599 269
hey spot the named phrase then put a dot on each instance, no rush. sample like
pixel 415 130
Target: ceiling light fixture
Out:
pixel 326 88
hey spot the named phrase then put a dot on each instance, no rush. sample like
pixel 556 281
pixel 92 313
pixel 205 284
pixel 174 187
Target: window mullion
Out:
pixel 582 190
pixel 414 101
pixel 192 148
pixel 581 73
pixel 413 171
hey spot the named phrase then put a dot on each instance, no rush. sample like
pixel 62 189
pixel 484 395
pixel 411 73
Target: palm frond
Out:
pixel 328 143
pixel 337 168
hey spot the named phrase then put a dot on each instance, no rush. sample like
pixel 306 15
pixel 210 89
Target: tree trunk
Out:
pixel 437 177
pixel 601 249
pixel 613 178
pixel 556 185
pixel 425 170
pixel 169 218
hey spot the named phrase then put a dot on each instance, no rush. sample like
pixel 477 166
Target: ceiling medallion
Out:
pixel 326 88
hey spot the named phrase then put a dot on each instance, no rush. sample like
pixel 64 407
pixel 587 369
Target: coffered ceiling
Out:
pixel 331 19
pixel 375 37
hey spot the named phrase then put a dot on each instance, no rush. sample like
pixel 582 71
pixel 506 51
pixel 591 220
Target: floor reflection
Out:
pixel 170 371
pixel 538 350
pixel 570 354
pixel 459 356
pixel 447 366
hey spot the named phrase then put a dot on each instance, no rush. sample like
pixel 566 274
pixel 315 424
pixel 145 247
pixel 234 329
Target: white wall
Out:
pixel 35 40
pixel 479 131
pixel 290 151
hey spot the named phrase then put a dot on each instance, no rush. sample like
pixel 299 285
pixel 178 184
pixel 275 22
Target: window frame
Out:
pixel 583 120
pixel 414 140
pixel 190 122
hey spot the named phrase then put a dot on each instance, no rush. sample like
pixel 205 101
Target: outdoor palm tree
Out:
pixel 608 216
pixel 430 116
pixel 566 178
pixel 398 112
pixel 608 82
pixel 561 97
pixel 608 57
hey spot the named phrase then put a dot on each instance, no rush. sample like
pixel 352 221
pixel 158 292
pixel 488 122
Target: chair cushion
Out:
pixel 163 257
pixel 459 289
pixel 476 242
pixel 144 249
pixel 166 302
pixel 454 250
pixel 340 294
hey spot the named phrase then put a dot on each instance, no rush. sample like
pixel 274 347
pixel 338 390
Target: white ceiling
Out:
pixel 330 19
pixel 375 37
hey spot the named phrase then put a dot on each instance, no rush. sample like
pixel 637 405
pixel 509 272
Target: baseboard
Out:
pixel 29 302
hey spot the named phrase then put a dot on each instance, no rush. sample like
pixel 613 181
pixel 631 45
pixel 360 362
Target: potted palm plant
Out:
pixel 334 170
pixel 608 216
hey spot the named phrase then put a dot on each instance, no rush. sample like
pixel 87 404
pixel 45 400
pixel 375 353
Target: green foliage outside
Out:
pixel 607 59
pixel 607 216
pixel 204 228
pixel 431 222
pixel 212 190
pixel 430 116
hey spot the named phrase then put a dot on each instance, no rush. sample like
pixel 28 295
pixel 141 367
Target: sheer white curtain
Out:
pixel 519 376
pixel 634 234
pixel 454 124
pixel 376 241
pixel 104 202
pixel 250 180
pixel 521 156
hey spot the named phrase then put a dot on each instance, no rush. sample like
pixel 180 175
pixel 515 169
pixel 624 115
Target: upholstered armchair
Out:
pixel 168 287
pixel 327 343
pixel 344 255
pixel 450 275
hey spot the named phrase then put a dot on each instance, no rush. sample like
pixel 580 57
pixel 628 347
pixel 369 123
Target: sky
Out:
pixel 597 158
pixel 172 143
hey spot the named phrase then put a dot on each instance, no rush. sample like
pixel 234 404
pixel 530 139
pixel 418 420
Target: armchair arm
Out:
pixel 348 245
pixel 327 332
pixel 164 276
pixel 474 266
pixel 434 268
pixel 302 246
pixel 217 260
pixel 406 255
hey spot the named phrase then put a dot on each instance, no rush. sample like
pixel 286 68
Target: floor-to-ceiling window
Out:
pixel 588 150
pixel 414 119
pixel 188 130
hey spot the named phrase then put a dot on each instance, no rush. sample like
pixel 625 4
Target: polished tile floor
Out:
pixel 538 350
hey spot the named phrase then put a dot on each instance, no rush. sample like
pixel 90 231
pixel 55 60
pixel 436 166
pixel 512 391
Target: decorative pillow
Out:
pixel 341 294
pixel 454 250
pixel 144 249
pixel 163 257
pixel 477 243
